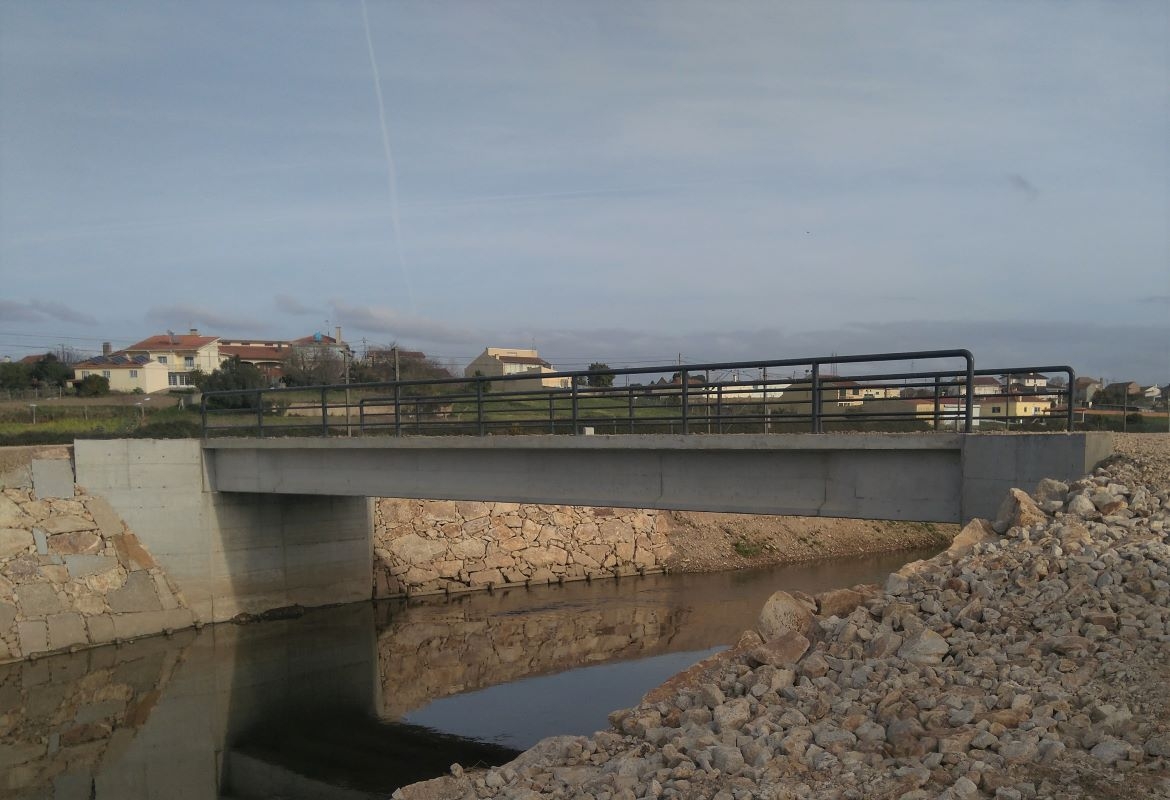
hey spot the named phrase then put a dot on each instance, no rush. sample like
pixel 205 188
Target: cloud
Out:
pixel 1023 185
pixel 400 326
pixel 1157 299
pixel 18 312
pixel 39 310
pixel 62 312
pixel 182 316
pixel 290 305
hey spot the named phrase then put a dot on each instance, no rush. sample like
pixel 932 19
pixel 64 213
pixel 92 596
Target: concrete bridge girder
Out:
pixel 921 477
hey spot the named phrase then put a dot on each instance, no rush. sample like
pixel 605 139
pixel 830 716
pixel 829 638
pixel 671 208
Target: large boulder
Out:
pixel 973 533
pixel 783 613
pixel 1018 510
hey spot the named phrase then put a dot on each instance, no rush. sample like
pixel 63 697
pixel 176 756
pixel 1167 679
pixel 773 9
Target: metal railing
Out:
pixel 775 396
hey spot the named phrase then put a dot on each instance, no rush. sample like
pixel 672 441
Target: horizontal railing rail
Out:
pixel 773 396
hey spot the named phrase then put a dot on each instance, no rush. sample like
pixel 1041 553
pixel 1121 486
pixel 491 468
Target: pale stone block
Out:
pixel 38 600
pixel 52 477
pixel 14 541
pixel 104 515
pixel 138 593
pixel 42 541
pixel 83 565
pixel 101 628
pixel 33 636
pixel 67 523
pixel 66 629
pixel 7 617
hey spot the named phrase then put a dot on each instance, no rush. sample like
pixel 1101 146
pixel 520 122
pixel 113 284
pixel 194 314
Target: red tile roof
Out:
pixel 177 342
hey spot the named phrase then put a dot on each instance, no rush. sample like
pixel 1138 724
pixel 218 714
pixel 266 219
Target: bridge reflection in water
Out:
pixel 320 706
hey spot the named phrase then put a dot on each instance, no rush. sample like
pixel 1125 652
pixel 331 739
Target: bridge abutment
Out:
pixel 231 553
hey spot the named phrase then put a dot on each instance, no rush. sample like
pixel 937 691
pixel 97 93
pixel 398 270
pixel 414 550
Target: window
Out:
pixel 85 373
pixel 106 374
pixel 189 362
pixel 162 359
pixel 178 379
pixel 995 409
pixel 133 373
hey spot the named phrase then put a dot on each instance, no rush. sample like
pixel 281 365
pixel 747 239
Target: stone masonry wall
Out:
pixel 71 572
pixel 425 546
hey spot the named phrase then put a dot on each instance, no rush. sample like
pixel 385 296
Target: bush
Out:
pixel 92 386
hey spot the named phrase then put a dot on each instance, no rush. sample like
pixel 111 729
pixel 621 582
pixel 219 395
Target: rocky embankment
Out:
pixel 1031 659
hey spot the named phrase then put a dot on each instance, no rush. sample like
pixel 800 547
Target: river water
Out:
pixel 353 701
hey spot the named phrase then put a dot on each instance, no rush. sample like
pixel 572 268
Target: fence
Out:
pixel 777 396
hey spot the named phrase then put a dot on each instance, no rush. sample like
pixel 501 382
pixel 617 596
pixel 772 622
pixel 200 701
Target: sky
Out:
pixel 626 182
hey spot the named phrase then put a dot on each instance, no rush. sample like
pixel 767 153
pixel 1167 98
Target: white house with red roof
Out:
pixel 166 361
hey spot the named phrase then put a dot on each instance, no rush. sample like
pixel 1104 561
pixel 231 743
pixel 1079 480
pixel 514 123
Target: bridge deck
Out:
pixel 926 477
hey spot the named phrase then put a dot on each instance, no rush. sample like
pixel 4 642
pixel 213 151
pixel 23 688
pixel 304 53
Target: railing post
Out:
pixel 325 412
pixel 575 407
pixel 967 411
pixel 686 399
pixel 718 409
pixel 816 397
pixel 479 410
pixel 203 413
pixel 1071 389
pixel 630 391
pixel 260 414
pixel 552 413
pixel 937 396
pixel 397 410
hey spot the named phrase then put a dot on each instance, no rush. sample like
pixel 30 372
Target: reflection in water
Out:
pixel 319 706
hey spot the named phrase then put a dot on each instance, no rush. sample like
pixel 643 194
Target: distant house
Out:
pixel 501 362
pixel 984 385
pixel 1084 390
pixel 181 354
pixel 1017 405
pixel 167 361
pixel 1028 380
pixel 126 373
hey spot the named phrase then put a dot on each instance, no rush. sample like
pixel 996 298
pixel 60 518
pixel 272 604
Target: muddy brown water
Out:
pixel 354 701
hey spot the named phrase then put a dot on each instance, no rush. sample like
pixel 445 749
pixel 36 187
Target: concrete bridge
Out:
pixel 246 525
pixel 928 477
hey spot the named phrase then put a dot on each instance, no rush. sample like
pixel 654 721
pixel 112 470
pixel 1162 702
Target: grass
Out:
pixel 63 423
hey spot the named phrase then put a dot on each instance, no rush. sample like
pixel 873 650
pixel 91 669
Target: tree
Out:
pixel 234 374
pixel 51 371
pixel 314 365
pixel 600 375
pixel 14 375
pixel 92 386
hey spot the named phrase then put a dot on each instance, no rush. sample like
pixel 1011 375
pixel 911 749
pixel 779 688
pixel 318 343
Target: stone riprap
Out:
pixel 1024 664
pixel 423 546
pixel 71 573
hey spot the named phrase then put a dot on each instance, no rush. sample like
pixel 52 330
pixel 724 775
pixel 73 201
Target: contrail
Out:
pixel 390 172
